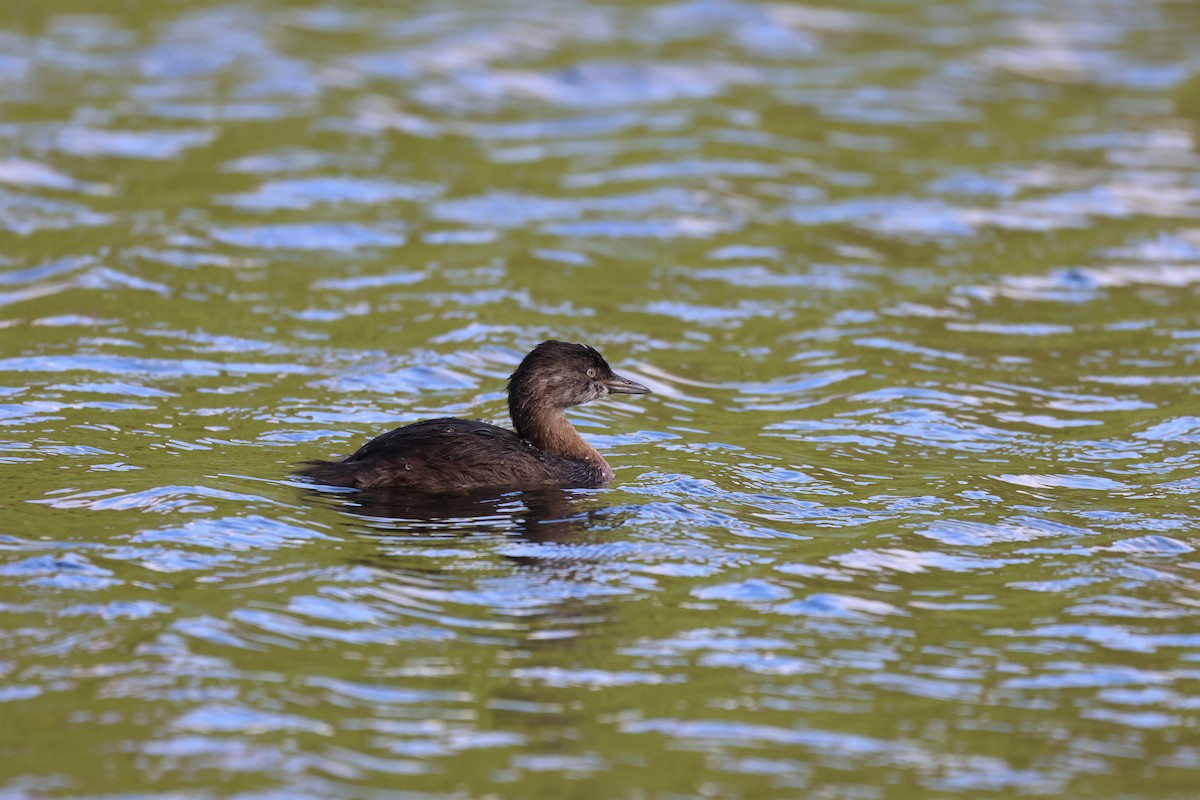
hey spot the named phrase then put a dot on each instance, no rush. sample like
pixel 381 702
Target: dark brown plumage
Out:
pixel 451 454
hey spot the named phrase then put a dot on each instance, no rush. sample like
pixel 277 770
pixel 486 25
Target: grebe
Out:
pixel 452 455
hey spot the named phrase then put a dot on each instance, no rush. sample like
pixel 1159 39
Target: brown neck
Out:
pixel 549 430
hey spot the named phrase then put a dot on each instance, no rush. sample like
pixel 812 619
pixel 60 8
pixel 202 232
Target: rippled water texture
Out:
pixel 912 512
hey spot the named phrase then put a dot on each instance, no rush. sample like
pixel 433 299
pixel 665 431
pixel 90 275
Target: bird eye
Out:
pixel 592 372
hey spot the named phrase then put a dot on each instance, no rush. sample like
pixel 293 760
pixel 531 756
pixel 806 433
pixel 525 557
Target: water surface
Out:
pixel 911 513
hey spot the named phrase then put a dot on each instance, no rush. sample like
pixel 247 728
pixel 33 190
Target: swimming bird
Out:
pixel 455 455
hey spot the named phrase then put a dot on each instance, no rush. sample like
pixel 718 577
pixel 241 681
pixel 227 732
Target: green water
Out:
pixel 910 513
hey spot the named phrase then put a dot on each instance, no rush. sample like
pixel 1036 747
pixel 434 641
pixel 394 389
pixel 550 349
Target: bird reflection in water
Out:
pixel 538 600
pixel 539 516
